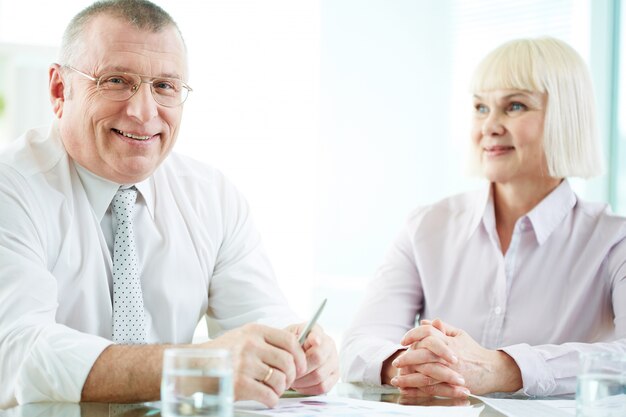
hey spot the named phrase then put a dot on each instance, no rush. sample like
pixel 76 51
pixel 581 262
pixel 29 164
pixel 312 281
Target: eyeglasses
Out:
pixel 121 86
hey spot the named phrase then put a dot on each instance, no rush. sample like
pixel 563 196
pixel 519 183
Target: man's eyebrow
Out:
pixel 118 68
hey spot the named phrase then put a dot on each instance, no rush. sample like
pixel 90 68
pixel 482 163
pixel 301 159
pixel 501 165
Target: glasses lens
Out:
pixel 169 91
pixel 118 86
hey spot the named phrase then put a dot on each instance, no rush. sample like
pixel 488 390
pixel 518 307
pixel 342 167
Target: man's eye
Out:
pixel 115 81
pixel 164 85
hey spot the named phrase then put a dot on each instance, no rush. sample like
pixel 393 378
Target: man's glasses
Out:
pixel 120 86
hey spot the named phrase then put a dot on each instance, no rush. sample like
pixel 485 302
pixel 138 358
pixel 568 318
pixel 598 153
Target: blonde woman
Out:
pixel 514 281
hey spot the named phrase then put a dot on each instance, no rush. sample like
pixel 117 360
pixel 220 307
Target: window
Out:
pixel 618 145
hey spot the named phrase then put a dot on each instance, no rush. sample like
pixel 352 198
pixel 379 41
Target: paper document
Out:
pixel 534 408
pixel 348 407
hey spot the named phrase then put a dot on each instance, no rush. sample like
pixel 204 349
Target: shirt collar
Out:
pixel 100 191
pixel 544 217
pixel 483 210
pixel 551 211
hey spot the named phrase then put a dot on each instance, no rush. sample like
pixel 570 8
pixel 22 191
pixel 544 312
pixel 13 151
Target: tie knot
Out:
pixel 124 204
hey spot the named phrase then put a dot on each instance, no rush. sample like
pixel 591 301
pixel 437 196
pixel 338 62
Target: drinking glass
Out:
pixel 197 382
pixel 601 385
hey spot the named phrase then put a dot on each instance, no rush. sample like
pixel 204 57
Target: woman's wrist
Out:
pixel 388 371
pixel 509 376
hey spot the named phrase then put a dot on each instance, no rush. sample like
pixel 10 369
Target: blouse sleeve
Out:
pixel 393 299
pixel 552 369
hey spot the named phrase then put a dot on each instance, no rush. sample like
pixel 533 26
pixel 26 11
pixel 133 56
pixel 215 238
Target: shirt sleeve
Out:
pixel 243 288
pixel 40 360
pixel 552 369
pixel 393 299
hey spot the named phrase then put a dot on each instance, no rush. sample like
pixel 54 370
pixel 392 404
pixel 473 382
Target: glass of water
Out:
pixel 601 385
pixel 197 382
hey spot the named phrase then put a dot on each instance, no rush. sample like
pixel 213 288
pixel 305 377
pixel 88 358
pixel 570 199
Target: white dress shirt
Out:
pixel 560 289
pixel 198 252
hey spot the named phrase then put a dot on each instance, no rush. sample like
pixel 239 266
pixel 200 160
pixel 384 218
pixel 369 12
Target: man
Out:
pixel 105 234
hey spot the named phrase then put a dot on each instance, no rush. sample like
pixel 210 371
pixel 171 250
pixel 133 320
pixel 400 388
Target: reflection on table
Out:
pixel 391 395
pixel 152 409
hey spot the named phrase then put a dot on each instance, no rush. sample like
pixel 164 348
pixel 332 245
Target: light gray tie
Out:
pixel 129 323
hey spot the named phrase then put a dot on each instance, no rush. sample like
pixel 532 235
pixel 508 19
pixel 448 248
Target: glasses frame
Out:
pixel 145 79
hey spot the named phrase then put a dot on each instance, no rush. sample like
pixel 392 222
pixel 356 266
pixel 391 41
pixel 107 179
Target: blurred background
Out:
pixel 336 117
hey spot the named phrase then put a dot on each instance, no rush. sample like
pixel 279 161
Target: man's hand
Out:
pixel 445 361
pixel 266 361
pixel 322 362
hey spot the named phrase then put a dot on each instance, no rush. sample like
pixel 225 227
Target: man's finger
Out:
pixel 315 376
pixel 248 388
pixel 288 342
pixel 321 387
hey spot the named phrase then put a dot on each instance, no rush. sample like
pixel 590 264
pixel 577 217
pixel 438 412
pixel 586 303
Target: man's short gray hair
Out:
pixel 142 14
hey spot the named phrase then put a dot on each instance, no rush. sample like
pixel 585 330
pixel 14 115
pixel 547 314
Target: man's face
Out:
pixel 97 132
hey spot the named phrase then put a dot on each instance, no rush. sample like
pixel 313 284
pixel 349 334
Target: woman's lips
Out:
pixel 497 150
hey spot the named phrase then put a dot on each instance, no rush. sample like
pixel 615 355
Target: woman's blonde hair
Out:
pixel 548 65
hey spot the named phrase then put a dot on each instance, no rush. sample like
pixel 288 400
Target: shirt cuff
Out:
pixel 374 364
pixel 57 365
pixel 536 376
pixel 362 362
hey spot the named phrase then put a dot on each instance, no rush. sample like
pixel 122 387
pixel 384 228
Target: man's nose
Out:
pixel 142 105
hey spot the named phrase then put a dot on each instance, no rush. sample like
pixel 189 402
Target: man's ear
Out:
pixel 56 87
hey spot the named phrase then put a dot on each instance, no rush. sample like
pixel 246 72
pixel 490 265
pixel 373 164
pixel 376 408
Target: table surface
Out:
pixel 357 391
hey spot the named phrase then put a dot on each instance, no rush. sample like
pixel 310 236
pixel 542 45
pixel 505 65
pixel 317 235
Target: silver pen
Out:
pixel 311 323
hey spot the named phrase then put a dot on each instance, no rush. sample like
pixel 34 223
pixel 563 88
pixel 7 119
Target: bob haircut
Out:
pixel 548 65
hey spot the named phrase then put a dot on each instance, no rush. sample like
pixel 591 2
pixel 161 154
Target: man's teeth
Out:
pixel 130 135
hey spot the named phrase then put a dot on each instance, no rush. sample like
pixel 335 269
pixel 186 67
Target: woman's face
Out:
pixel 507 132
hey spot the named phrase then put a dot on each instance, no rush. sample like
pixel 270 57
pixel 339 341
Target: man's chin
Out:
pixel 133 171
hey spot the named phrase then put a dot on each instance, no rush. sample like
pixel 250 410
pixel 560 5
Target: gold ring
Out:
pixel 270 371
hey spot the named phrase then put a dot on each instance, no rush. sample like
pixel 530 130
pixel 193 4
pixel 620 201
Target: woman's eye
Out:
pixel 481 109
pixel 517 107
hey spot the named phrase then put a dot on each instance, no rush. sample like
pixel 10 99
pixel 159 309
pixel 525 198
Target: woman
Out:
pixel 523 274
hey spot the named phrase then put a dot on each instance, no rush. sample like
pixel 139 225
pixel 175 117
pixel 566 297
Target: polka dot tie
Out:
pixel 129 322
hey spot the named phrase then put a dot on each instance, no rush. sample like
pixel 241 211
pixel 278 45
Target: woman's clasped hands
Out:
pixel 441 360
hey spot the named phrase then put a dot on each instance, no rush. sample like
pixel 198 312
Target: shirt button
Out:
pixel 497 310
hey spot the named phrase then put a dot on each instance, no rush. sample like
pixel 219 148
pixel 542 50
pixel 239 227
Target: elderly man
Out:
pixel 112 247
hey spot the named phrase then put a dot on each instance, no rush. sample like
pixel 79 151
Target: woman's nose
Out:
pixel 492 125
